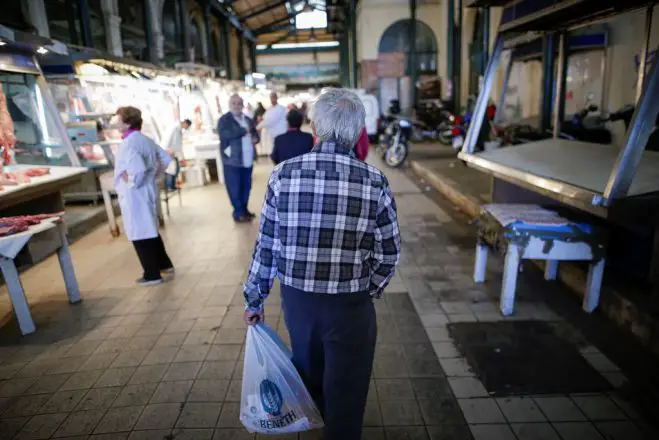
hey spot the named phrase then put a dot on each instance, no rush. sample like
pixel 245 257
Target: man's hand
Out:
pixel 124 176
pixel 253 318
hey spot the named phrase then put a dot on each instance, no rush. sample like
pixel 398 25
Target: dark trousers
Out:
pixel 333 342
pixel 153 257
pixel 238 181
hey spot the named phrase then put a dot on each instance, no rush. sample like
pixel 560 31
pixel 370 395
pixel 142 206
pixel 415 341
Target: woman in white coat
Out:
pixel 138 162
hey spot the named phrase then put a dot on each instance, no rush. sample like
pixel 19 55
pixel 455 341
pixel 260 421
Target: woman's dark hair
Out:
pixel 131 116
pixel 294 119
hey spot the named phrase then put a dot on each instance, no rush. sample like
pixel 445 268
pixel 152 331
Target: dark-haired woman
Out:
pixel 137 164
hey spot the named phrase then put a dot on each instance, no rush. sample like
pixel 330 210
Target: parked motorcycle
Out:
pixel 397 150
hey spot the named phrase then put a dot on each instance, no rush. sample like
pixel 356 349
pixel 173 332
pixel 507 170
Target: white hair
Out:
pixel 338 115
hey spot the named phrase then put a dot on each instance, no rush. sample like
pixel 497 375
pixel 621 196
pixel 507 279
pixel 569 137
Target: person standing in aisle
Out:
pixel 137 164
pixel 173 145
pixel 238 136
pixel 294 142
pixel 273 124
pixel 329 231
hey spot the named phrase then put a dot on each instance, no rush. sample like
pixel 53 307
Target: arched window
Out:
pixel 397 39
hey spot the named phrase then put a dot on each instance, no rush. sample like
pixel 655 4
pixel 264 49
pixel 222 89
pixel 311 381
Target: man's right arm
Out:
pixel 229 131
pixel 386 252
pixel 263 270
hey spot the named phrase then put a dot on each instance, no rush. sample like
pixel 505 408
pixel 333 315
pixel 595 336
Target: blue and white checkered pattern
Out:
pixel 328 225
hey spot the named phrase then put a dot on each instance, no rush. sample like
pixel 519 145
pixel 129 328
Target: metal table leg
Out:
pixel 66 264
pixel 510 272
pixel 17 295
pixel 592 295
pixel 480 266
pixel 109 210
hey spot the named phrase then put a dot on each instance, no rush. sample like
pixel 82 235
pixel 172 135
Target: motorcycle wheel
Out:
pixel 396 154
pixel 445 137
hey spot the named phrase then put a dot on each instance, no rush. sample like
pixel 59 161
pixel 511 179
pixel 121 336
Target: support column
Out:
pixel 353 42
pixel 241 55
pixel 548 56
pixel 457 68
pixel 344 57
pixel 226 47
pixel 85 23
pixel 412 65
pixel 36 12
pixel 112 27
pixel 559 99
pixel 486 38
pixel 151 54
pixel 252 56
pixel 185 30
pixel 210 56
pixel 155 37
pixel 450 50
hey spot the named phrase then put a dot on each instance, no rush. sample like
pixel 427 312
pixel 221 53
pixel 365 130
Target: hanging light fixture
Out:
pixel 312 35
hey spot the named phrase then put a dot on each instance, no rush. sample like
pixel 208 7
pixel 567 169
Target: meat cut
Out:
pixel 21 223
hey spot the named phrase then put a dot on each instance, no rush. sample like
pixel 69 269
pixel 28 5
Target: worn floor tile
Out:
pixel 80 423
pixel 99 398
pixel 534 431
pixel 559 409
pixel 159 416
pixel 577 431
pixel 205 390
pixel 520 409
pixel 401 412
pixel 119 419
pixel 467 387
pixel 199 415
pixel 481 411
pixel 492 432
pixel 41 426
pixel 599 408
pixel 172 392
pixel 63 401
pixel 135 395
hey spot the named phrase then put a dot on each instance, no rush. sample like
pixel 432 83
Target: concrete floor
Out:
pixel 166 362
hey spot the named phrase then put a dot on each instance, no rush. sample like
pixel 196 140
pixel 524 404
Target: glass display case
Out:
pixel 38 140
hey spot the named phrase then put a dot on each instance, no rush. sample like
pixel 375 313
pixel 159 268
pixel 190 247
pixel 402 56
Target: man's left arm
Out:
pixel 386 253
pixel 263 269
pixel 256 138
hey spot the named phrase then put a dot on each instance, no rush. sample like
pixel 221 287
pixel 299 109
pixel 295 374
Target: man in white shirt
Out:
pixel 273 124
pixel 173 145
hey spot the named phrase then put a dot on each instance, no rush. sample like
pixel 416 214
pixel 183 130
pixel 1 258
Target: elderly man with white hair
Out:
pixel 238 136
pixel 329 231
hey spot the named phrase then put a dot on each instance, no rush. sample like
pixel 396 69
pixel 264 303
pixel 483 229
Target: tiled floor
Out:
pixel 166 362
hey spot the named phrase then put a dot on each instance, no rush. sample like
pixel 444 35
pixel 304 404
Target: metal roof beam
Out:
pixel 263 10
pixel 234 20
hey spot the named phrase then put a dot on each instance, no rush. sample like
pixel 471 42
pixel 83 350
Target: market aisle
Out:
pixel 165 362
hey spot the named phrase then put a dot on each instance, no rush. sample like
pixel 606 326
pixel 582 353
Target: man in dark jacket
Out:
pixel 237 138
pixel 294 142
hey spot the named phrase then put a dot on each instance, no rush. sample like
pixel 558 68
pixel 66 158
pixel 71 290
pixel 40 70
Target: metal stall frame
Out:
pixel 628 159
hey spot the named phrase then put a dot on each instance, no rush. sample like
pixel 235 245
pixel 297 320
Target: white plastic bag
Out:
pixel 274 399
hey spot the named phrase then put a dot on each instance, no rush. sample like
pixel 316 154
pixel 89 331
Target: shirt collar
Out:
pixel 128 132
pixel 333 147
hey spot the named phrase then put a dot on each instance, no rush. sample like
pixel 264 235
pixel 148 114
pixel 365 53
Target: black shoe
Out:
pixel 143 282
pixel 243 219
pixel 250 214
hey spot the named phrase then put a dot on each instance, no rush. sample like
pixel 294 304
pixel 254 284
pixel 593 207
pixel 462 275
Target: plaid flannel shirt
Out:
pixel 328 225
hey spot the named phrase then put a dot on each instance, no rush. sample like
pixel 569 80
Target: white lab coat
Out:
pixel 173 141
pixel 142 159
pixel 274 123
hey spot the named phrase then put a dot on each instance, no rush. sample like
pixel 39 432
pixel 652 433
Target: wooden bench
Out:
pixel 535 233
pixel 10 246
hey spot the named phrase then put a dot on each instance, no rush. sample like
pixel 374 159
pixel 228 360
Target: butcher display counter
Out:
pixel 615 184
pixel 42 194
